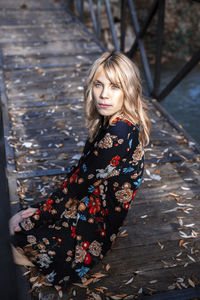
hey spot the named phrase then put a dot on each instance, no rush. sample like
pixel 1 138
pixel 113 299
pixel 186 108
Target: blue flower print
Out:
pixel 84 167
pixel 82 217
pixel 82 271
pixel 91 189
pixel 138 182
pixel 85 200
pixel 127 170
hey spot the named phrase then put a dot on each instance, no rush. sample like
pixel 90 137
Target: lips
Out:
pixel 104 105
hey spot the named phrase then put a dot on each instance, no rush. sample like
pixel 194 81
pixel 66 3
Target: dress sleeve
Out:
pixel 97 164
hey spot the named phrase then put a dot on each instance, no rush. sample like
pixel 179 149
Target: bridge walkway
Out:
pixel 44 59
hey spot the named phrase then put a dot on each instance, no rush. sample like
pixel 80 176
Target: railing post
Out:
pixel 99 19
pixel 142 32
pixel 94 21
pixel 181 74
pixel 112 26
pixel 123 24
pixel 7 268
pixel 141 46
pixel 81 7
pixel 159 44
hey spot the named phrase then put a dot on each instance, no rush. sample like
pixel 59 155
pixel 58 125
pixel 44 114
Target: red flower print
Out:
pixel 134 194
pixel 59 240
pixel 115 120
pixel 85 245
pixel 49 201
pixel 64 184
pixel 102 232
pixel 104 212
pixel 94 205
pixel 73 234
pixel 46 208
pixel 115 160
pixel 96 192
pixel 87 259
pixel 127 122
pixel 73 178
pixel 99 219
pixel 126 206
pixel 38 211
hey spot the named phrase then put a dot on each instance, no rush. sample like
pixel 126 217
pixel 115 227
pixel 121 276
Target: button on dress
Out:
pixel 74 228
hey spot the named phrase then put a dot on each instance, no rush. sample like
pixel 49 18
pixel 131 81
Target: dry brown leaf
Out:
pixel 23 6
pixel 33 279
pixel 165 263
pixel 26 273
pixel 60 293
pixel 181 243
pixel 98 275
pixel 80 285
pixel 191 258
pixel 161 245
pixel 153 281
pixel 191 282
pixel 107 267
pixel 87 282
pixel 129 281
pixel 118 296
pixel 96 296
pixel 60 124
pixel 101 289
pixel 110 294
pixel 123 234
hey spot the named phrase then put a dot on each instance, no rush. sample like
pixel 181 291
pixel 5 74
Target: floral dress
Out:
pixel 74 228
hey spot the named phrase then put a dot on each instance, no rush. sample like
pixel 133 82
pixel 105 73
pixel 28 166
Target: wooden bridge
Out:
pixel 45 54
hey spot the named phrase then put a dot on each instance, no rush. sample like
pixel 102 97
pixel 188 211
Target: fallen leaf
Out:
pixel 107 267
pixel 129 281
pixel 96 296
pixel 191 282
pixel 161 245
pixel 23 6
pixel 101 289
pixel 153 281
pixel 98 275
pixel 191 258
pixel 87 282
pixel 118 296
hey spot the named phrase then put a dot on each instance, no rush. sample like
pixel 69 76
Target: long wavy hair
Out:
pixel 118 68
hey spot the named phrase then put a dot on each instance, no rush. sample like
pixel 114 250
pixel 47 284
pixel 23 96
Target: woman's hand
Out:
pixel 19 217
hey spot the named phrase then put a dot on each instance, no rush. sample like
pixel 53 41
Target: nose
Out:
pixel 104 92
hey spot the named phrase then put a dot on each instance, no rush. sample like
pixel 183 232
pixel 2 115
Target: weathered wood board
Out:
pixel 45 57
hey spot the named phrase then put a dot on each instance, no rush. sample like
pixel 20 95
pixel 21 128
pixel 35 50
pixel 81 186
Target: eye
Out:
pixel 115 86
pixel 97 84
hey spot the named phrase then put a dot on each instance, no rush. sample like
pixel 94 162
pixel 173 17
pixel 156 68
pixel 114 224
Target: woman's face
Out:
pixel 108 96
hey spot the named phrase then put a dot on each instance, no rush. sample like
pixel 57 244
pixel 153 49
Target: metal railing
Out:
pixel 158 7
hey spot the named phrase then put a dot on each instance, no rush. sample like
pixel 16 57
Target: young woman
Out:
pixel 74 228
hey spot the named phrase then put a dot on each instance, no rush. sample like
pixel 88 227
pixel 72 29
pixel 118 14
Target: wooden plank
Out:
pixel 43 33
pixel 186 294
pixel 72 47
pixel 29 17
pixel 30 5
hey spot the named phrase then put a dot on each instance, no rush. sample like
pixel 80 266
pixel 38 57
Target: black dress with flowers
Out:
pixel 78 223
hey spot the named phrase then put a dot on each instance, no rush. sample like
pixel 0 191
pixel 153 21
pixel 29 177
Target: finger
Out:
pixel 28 212
pixel 17 228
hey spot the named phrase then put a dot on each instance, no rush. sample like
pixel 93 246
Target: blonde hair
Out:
pixel 118 68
